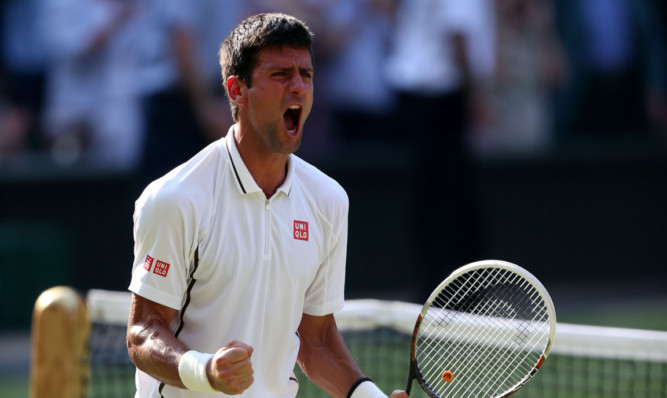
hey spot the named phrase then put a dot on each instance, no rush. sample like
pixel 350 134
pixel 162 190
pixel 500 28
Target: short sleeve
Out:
pixel 163 248
pixel 326 294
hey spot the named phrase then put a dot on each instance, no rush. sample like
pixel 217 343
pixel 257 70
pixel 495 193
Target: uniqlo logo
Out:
pixel 148 263
pixel 161 268
pixel 300 230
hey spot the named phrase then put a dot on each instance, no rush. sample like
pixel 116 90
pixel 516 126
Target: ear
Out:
pixel 236 89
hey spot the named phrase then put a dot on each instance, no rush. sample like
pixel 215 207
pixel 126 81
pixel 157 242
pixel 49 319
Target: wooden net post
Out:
pixel 60 331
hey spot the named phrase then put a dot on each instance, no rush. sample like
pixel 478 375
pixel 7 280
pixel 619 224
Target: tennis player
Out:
pixel 240 251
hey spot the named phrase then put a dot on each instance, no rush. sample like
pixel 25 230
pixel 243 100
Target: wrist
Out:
pixel 365 388
pixel 192 371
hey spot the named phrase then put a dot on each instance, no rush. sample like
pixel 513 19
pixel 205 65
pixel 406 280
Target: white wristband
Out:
pixel 367 389
pixel 192 370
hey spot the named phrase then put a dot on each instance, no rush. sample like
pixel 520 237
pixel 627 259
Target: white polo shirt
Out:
pixel 238 266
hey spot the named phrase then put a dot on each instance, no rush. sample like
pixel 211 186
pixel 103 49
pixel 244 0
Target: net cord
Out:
pixel 113 307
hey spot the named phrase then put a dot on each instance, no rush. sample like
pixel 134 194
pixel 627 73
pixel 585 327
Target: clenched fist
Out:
pixel 230 369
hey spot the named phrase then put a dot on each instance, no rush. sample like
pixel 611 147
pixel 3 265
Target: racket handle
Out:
pixel 411 376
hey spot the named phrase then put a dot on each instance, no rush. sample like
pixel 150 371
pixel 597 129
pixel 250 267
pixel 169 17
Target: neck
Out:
pixel 270 178
pixel 268 169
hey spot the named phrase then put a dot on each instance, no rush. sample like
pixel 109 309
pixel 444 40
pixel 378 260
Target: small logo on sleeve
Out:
pixel 148 263
pixel 300 230
pixel 161 268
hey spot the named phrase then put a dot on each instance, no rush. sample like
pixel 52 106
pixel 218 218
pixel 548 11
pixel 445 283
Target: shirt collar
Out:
pixel 245 180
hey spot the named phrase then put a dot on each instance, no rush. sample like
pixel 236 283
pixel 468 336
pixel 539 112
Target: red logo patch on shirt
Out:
pixel 300 230
pixel 161 268
pixel 148 263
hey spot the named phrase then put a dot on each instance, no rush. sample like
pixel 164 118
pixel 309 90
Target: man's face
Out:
pixel 280 97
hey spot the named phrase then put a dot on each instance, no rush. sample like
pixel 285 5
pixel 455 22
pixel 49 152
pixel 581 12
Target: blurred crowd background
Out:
pixel 125 84
pixel 99 97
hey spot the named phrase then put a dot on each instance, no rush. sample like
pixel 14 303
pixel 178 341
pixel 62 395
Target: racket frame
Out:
pixel 415 373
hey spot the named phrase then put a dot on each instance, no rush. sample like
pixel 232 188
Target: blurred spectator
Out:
pixel 617 54
pixel 183 101
pixel 357 40
pixel 22 75
pixel 658 106
pixel 661 7
pixel 530 65
pixel 443 51
pixel 15 122
pixel 312 12
pixel 91 107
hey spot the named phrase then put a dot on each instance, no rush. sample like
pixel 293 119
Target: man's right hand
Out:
pixel 230 369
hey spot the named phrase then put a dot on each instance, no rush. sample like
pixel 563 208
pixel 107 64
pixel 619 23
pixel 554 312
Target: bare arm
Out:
pixel 151 345
pixel 323 356
pixel 154 350
pixel 325 359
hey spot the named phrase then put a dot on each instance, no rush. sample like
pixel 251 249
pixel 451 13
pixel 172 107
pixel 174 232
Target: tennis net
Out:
pixel 586 361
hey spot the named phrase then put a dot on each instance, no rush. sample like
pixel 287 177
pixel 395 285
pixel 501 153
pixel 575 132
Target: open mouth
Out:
pixel 292 118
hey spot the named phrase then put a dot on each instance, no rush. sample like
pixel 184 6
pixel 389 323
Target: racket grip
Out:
pixel 411 376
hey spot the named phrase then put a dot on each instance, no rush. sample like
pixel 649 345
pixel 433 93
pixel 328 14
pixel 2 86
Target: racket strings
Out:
pixel 495 362
pixel 475 366
pixel 483 307
pixel 471 336
pixel 514 365
pixel 438 318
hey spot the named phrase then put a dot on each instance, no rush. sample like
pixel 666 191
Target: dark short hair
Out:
pixel 239 51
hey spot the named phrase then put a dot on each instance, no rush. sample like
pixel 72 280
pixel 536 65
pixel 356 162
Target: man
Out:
pixel 240 251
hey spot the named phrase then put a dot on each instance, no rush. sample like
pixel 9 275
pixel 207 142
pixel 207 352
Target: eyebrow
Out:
pixel 308 70
pixel 290 68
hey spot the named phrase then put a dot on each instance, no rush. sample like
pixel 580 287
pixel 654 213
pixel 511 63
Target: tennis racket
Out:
pixel 483 332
